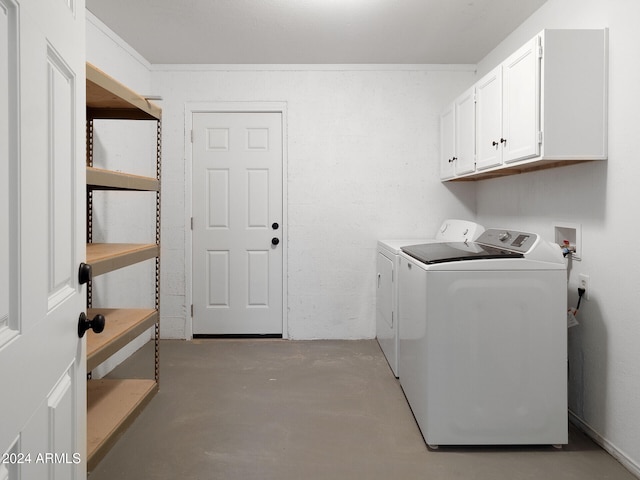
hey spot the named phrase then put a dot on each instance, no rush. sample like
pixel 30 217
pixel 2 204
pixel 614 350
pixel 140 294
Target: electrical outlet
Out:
pixel 583 282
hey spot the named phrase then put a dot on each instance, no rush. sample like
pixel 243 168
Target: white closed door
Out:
pixel 42 229
pixel 448 142
pixel 489 138
pixel 521 103
pixel 465 132
pixel 238 235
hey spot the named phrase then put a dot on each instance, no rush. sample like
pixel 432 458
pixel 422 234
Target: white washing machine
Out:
pixel 387 284
pixel 483 340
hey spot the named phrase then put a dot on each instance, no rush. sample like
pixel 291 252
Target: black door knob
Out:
pixel 84 324
pixel 275 226
pixel 84 273
pixel 275 241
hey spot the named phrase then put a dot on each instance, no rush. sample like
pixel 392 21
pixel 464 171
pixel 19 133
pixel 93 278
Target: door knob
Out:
pixel 84 273
pixel 275 241
pixel 275 226
pixel 84 324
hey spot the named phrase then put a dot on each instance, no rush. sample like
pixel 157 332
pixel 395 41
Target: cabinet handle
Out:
pixel 494 144
pixel 503 140
pixel 84 324
pixel 275 241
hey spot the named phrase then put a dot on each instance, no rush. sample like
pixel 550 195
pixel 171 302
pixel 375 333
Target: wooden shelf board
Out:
pixel 99 179
pixel 112 405
pixel 106 257
pixel 108 98
pixel 505 171
pixel 122 325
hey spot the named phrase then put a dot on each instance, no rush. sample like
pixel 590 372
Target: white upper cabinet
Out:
pixel 545 106
pixel 457 136
pixel 448 142
pixel 489 119
pixel 465 132
pixel 521 104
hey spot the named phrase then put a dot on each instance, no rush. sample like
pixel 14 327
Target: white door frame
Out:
pixel 231 107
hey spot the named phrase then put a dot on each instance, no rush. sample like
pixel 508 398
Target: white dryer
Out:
pixel 387 280
pixel 483 340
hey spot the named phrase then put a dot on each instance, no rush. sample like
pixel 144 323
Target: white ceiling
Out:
pixel 313 31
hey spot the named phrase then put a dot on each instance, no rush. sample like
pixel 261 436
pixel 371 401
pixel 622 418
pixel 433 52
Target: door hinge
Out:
pixel 392 319
pixel 191 136
pixel 192 310
pixel 539 51
pixel 191 223
pixel 540 137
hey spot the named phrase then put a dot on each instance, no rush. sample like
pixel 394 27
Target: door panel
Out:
pixel 42 218
pixel 465 132
pixel 61 165
pixel 6 174
pixel 218 196
pixel 489 120
pixel 237 196
pixel 218 278
pixel 447 142
pixel 258 202
pixel 521 105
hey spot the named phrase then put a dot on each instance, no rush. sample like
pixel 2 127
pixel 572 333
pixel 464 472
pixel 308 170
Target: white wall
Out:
pixel 362 147
pixel 604 349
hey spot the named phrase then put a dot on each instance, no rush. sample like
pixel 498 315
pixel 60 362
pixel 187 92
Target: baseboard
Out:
pixel 621 457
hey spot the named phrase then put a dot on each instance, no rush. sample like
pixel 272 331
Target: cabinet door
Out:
pixel 447 143
pixel 489 120
pixel 521 103
pixel 465 110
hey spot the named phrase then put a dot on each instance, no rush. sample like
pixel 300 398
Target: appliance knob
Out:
pixel 504 236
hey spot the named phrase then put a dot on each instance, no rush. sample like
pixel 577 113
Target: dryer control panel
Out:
pixel 513 240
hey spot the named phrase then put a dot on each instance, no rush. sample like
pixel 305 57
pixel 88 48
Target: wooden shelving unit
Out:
pixel 113 404
pixel 98 179
pixel 107 257
pixel 125 324
pixel 118 402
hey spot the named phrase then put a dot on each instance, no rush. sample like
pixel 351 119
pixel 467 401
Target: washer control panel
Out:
pixel 512 240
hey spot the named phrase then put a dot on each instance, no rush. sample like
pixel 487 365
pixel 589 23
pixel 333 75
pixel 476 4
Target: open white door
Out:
pixel 42 224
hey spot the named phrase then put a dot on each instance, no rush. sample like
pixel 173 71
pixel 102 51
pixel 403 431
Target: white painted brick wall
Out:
pixel 362 164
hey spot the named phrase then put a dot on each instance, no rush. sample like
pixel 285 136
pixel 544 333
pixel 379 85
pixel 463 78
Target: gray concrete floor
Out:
pixel 274 409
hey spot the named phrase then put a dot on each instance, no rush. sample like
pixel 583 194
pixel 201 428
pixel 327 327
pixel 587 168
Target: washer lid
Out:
pixel 431 253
